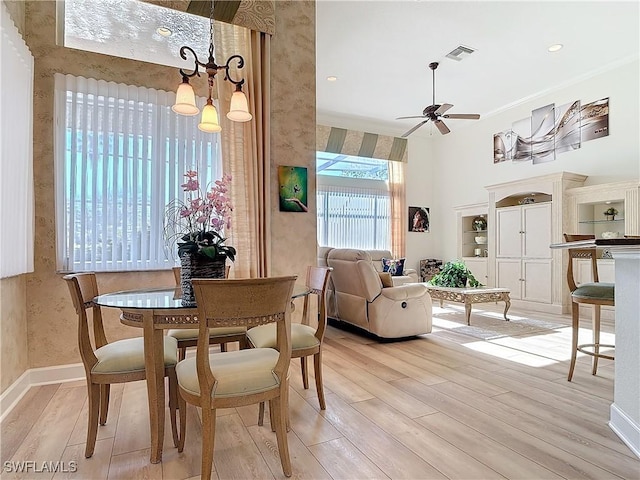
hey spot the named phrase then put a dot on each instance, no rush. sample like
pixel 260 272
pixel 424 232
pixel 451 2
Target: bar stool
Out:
pixel 596 294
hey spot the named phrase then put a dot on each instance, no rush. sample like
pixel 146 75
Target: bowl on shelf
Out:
pixel 481 240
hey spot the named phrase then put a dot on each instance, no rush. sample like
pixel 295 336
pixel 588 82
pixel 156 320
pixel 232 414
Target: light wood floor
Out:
pixel 444 405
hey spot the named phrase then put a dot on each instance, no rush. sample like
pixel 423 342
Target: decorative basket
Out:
pixel 198 266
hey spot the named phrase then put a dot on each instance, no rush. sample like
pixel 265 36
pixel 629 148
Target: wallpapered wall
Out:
pixel 51 321
pixel 13 291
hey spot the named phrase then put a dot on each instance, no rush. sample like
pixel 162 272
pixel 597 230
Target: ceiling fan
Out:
pixel 436 113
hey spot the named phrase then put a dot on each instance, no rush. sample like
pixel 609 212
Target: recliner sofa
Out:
pixel 356 296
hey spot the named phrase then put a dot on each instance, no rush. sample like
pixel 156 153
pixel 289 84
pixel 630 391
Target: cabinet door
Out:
pixel 536 223
pixel 583 274
pixel 537 285
pixel 479 268
pixel 508 276
pixel 508 232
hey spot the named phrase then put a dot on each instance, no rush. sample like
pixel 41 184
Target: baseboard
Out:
pixel 536 307
pixel 626 428
pixel 37 376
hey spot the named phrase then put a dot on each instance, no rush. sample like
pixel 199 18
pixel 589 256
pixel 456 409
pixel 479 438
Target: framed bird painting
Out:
pixel 292 188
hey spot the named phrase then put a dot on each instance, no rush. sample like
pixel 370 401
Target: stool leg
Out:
pixel 596 337
pixel 575 325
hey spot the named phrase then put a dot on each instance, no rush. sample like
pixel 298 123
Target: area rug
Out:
pixel 489 325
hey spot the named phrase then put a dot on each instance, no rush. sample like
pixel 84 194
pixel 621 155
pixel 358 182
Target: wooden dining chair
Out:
pixel 244 377
pixel 112 362
pixel 594 293
pixel 306 340
pixel 188 337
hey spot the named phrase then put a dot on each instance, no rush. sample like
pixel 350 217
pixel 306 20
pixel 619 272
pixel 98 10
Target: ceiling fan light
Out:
pixel 239 108
pixel 185 100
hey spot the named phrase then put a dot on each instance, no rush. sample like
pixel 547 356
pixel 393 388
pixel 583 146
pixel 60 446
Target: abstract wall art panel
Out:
pixel 594 120
pixel 567 121
pixel 502 146
pixel 542 134
pixel 552 130
pixel 522 140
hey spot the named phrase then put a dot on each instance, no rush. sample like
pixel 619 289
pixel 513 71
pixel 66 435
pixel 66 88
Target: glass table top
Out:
pixel 164 297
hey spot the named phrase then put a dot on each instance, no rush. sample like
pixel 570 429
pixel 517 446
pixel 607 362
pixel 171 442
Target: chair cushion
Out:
pixel 192 333
pixel 128 355
pixel 386 279
pixel 242 372
pixel 302 336
pixel 600 290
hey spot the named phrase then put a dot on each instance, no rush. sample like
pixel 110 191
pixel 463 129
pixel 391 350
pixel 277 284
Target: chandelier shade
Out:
pixel 209 122
pixel 185 95
pixel 185 100
pixel 239 109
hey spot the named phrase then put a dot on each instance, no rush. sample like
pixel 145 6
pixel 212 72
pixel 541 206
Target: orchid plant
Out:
pixel 198 222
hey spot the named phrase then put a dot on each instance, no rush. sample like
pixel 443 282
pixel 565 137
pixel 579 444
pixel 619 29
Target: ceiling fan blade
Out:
pixel 415 128
pixel 415 116
pixel 443 108
pixel 442 127
pixel 463 116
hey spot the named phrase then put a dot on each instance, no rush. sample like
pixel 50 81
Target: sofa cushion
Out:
pixel 394 266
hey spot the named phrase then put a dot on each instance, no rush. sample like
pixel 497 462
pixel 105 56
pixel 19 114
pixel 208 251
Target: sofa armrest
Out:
pixel 412 273
pixel 404 292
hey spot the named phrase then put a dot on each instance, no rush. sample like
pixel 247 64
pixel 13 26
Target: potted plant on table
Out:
pixel 196 225
pixel 610 213
pixel 454 274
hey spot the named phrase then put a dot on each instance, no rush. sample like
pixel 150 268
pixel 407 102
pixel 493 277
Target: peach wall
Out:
pixel 50 318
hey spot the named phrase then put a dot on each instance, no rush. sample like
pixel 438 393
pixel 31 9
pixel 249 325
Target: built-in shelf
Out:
pixel 592 222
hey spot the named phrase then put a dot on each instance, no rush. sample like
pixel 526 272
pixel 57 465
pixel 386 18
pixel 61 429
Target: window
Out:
pixel 121 154
pixel 354 207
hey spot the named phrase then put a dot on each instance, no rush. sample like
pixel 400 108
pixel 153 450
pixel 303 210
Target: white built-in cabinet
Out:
pixel 523 256
pixel 524 218
pixel 472 244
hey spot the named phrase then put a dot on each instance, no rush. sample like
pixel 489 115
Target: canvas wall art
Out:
pixel 418 219
pixel 567 121
pixel 292 183
pixel 552 130
pixel 594 120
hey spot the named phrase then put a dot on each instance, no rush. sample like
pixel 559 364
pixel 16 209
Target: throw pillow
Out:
pixel 386 279
pixel 394 267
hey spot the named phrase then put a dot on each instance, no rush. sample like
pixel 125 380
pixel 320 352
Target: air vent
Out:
pixel 460 52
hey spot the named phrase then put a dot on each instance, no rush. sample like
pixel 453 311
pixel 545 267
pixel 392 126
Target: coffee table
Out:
pixel 469 296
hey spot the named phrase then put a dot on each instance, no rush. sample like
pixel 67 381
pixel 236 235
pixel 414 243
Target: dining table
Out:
pixel 155 310
pixel 624 413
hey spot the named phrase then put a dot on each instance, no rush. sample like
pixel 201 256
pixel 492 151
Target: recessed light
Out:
pixel 164 31
pixel 555 47
pixel 332 78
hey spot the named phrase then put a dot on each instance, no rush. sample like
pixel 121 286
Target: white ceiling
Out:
pixel 380 51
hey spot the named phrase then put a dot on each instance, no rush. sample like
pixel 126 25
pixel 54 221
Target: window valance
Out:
pixel 256 15
pixel 361 144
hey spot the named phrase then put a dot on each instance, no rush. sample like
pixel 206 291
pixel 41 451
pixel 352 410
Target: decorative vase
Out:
pixel 198 266
pixel 479 224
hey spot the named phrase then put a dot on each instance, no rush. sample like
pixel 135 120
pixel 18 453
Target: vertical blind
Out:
pixel 16 154
pixel 354 217
pixel 121 155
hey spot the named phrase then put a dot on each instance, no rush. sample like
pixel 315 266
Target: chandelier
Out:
pixel 186 97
